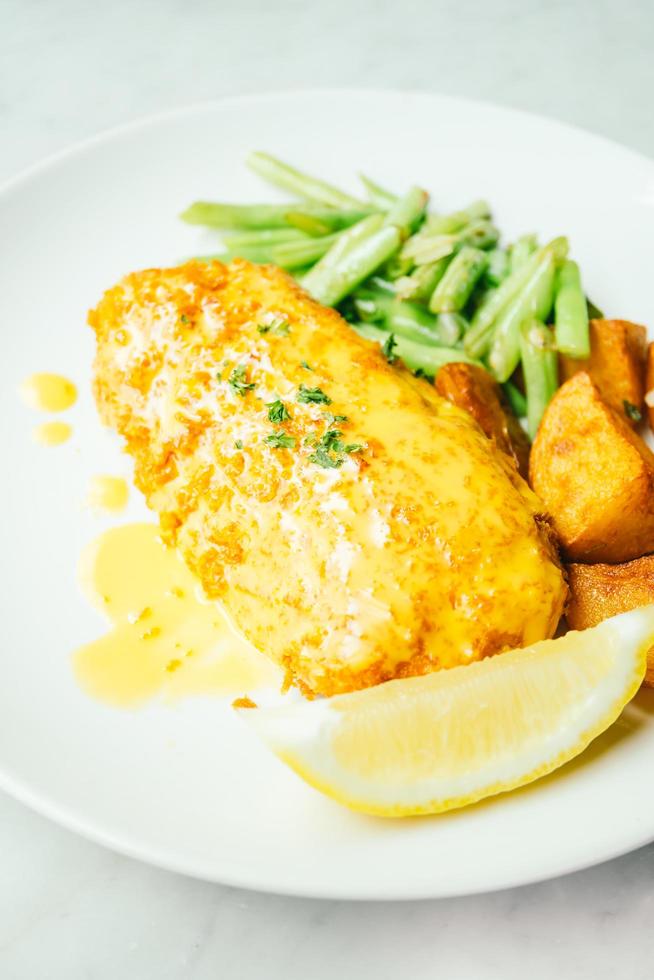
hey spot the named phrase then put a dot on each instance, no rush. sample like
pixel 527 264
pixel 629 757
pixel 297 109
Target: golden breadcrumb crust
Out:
pixel 403 543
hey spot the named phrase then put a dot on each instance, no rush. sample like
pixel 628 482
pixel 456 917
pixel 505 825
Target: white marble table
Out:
pixel 69 909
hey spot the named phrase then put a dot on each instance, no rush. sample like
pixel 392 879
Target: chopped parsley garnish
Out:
pixel 238 443
pixel 306 366
pixel 278 326
pixel 279 440
pixel 330 450
pixel 314 396
pixel 277 412
pixel 632 411
pixel 322 458
pixel 332 440
pixel 334 418
pixel 388 347
pixel 421 373
pixel 238 383
pixel 183 318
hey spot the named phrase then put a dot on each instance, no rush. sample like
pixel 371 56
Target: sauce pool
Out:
pixel 164 640
pixel 52 433
pixel 48 392
pixel 109 493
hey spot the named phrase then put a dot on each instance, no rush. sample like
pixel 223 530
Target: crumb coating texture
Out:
pixel 423 550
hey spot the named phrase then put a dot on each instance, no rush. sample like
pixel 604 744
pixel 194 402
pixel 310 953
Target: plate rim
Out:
pixel 66 819
pixel 40 803
pixel 152 118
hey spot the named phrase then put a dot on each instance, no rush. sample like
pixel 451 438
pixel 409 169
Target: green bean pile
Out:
pixel 430 288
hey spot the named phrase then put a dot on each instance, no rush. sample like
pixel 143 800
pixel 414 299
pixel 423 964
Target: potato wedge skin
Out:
pixel 594 475
pixel 472 388
pixel 616 363
pixel 649 383
pixel 600 591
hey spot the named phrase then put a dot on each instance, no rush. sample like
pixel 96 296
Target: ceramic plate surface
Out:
pixel 187 787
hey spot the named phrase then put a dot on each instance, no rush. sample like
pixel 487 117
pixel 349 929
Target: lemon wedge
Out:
pixel 433 743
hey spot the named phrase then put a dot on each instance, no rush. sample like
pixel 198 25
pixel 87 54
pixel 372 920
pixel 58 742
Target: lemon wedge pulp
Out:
pixel 444 740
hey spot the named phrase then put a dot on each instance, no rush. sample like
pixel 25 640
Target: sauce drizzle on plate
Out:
pixel 165 640
pixel 52 433
pixel 109 493
pixel 48 392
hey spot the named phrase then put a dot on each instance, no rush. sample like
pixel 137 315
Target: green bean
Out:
pixel 521 250
pixel 571 312
pixel 404 319
pixel 408 210
pixel 261 216
pixel 450 327
pixel 498 267
pixel 423 280
pixel 482 294
pixel 217 215
pixel 358 262
pixel 322 222
pixel 480 234
pixel 348 240
pixel 479 338
pixel 534 300
pixel 367 309
pixel 516 399
pixel 425 248
pixel 540 367
pixel 397 267
pixel 379 282
pixel 378 196
pixel 417 357
pixel 446 224
pixel 453 291
pixel 295 254
pixel 292 254
pixel 307 224
pixel 282 175
pixel 263 236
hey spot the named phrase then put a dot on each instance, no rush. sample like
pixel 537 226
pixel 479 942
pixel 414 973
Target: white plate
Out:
pixel 188 787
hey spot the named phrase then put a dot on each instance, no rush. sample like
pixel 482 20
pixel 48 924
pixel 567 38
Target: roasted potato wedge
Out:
pixel 474 389
pixel 616 364
pixel 600 591
pixel 594 475
pixel 649 386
